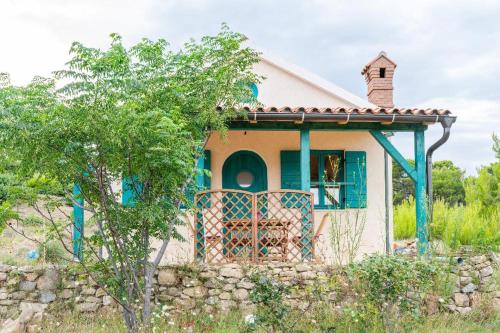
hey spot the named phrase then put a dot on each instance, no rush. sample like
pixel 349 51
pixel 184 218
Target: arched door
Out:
pixel 244 170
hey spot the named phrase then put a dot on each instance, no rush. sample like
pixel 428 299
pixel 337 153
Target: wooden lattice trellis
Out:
pixel 232 225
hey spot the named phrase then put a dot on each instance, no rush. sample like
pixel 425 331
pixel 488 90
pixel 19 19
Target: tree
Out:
pixel 142 113
pixel 402 184
pixel 447 180
pixel 496 146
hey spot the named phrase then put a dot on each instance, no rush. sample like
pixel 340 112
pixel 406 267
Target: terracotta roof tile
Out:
pixel 344 110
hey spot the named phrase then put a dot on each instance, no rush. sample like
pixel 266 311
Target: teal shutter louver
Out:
pixel 355 169
pixel 207 180
pixel 290 175
pixel 129 187
pixel 194 187
pixel 290 170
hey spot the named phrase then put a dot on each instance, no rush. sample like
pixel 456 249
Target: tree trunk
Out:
pixel 130 319
pixel 148 286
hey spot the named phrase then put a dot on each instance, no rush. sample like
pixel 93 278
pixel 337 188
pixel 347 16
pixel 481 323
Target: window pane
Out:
pixel 314 167
pixel 332 195
pixel 315 192
pixel 332 167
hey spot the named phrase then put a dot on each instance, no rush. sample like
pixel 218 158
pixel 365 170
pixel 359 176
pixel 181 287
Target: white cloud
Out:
pixel 447 51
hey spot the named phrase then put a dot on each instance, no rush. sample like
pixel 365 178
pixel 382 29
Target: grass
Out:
pixel 320 321
pixel 454 225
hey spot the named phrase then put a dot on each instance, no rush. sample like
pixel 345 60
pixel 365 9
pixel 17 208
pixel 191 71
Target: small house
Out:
pixel 307 170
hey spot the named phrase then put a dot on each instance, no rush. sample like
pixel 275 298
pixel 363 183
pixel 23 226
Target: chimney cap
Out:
pixel 382 54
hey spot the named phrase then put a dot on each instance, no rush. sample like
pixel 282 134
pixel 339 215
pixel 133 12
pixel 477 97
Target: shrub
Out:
pixel 454 225
pixel 268 295
pixel 391 287
pixel 51 252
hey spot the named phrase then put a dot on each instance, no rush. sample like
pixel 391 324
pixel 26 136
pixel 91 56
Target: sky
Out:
pixel 447 51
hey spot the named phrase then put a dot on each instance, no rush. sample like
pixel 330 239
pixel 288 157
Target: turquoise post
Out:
pixel 305 156
pixel 78 223
pixel 420 190
pixel 305 185
pixel 200 231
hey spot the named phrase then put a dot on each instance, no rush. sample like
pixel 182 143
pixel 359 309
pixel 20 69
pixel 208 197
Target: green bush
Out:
pixel 268 295
pixel 454 225
pixel 391 287
pixel 52 252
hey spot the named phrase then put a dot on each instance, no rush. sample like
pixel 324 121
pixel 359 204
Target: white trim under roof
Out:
pixel 314 79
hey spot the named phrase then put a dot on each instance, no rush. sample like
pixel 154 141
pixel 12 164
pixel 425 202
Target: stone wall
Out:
pixel 474 280
pixel 213 288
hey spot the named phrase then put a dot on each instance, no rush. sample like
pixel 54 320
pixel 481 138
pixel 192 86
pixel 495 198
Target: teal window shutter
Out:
pixel 129 187
pixel 190 191
pixel 355 165
pixel 290 176
pixel 290 170
pixel 208 166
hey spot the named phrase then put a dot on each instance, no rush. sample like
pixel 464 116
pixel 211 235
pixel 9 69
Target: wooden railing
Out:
pixel 232 225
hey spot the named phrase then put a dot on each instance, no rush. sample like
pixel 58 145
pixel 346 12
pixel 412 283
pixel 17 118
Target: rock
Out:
pixel 3 295
pixel 5 268
pixel 231 272
pixel 469 288
pixel 465 280
pixel 431 304
pixel 47 297
pixel 27 285
pixel 461 300
pixel 87 307
pixel 475 299
pixel 478 259
pixel 100 292
pixel 302 267
pixel 49 280
pixel 189 282
pixel 167 277
pixel 308 275
pixel 226 305
pixel 208 275
pixel 36 307
pixel 212 300
pixel 186 304
pixel 107 300
pixel 196 292
pixel 225 296
pixel 172 291
pixel 12 326
pixel 487 271
pixel 66 294
pixel 3 276
pixel 18 295
pixel 88 291
pixel 92 299
pixel 214 292
pixel 31 276
pixel 240 294
pixel 463 310
pixel 245 285
pixel 228 287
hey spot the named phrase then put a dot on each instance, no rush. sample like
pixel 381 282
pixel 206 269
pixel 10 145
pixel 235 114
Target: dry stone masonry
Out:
pixel 25 292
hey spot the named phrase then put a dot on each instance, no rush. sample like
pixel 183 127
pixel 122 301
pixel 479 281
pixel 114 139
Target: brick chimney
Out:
pixel 378 74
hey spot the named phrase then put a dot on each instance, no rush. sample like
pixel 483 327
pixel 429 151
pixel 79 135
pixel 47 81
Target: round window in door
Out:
pixel 244 170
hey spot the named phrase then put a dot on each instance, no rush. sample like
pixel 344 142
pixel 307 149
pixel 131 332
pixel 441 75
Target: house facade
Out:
pixel 314 156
